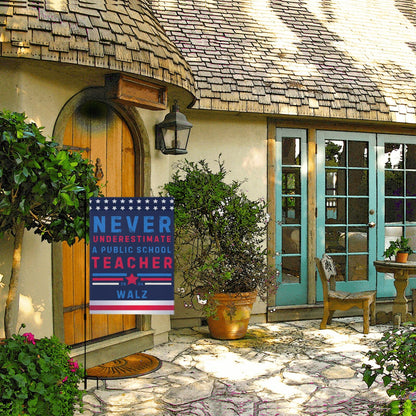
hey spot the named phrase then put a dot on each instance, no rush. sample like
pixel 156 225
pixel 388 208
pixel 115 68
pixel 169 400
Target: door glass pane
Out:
pixel 340 264
pixel 410 156
pixel 335 210
pixel 358 182
pixel 334 153
pixel 291 240
pixel 291 269
pixel 358 210
pixel 411 235
pixel 411 183
pixel 410 211
pixel 391 234
pixel 335 183
pixel 291 210
pixel 357 239
pixel 393 156
pixel 290 151
pixel 393 209
pixel 357 154
pixel 358 267
pixel 291 181
pixel 335 239
pixel 394 183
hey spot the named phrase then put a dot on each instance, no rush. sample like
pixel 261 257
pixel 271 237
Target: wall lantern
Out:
pixel 172 134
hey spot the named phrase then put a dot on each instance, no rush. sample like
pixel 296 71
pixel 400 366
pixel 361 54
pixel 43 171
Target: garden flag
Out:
pixel 131 256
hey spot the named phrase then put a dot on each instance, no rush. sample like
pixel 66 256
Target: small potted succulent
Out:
pixel 220 251
pixel 38 377
pixel 400 249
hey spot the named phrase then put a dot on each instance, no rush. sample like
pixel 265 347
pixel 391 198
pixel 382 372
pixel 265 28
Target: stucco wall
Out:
pixel 242 142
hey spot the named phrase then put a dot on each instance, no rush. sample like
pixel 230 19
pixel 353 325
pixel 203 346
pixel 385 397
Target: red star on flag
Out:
pixel 132 279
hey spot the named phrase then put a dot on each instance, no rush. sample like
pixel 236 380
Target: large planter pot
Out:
pixel 401 257
pixel 233 312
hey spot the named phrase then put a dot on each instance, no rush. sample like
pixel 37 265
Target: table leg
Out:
pixel 400 301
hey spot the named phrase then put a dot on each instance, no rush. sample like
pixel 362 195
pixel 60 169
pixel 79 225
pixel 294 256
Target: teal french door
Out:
pixel 291 216
pixel 365 197
pixel 346 207
pixel 396 174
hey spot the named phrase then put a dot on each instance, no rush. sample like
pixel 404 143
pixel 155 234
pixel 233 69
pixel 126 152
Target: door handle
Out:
pixel 371 224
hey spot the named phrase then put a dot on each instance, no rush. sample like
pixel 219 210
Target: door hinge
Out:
pixel 316 212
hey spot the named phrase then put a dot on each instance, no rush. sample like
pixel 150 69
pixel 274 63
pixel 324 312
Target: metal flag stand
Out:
pixel 85 291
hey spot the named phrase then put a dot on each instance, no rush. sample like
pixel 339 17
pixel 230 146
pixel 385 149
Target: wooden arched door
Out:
pixel 103 137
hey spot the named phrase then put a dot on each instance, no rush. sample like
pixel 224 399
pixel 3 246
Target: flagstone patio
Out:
pixel 286 369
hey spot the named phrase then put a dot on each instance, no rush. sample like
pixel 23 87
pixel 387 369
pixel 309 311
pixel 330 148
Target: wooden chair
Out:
pixel 338 300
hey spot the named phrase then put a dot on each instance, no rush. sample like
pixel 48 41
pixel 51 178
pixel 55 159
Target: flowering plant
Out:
pixel 219 236
pixel 37 377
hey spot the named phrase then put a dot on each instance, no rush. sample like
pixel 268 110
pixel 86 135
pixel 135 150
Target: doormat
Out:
pixel 134 365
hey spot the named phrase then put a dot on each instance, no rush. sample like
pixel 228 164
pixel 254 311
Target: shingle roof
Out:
pixel 118 35
pixel 345 59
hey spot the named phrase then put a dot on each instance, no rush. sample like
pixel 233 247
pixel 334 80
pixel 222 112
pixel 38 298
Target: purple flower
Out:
pixel 29 337
pixel 73 365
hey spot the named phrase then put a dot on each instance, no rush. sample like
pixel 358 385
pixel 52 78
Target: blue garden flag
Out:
pixel 131 256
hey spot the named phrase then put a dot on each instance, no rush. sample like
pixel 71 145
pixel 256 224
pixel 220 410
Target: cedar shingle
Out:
pixel 26 11
pixel 61 29
pixel 41 38
pixel 79 43
pixel 49 16
pixel 59 44
pixel 17 23
pixel 6 11
pixel 4 35
pixel 48 55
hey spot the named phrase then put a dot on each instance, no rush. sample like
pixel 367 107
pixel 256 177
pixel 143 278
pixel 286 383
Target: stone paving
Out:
pixel 284 369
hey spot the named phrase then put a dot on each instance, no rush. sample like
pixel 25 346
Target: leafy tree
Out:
pixel 42 188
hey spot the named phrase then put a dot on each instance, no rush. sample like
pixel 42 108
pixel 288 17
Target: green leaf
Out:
pixel 20 380
pixel 67 198
pixel 18 177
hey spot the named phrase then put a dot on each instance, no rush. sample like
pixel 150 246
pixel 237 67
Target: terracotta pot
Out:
pixel 233 315
pixel 401 257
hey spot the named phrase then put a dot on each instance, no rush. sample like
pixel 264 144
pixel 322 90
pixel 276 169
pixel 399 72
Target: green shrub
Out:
pixel 38 377
pixel 395 361
pixel 395 365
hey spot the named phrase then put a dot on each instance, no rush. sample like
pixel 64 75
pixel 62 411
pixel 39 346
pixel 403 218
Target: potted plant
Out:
pixel 399 248
pixel 220 251
pixel 38 377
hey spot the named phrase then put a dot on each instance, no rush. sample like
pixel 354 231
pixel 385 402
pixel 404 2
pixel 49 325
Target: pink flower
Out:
pixel 30 337
pixel 64 379
pixel 73 365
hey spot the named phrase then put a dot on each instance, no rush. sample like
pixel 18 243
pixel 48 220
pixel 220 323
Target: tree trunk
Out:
pixel 12 304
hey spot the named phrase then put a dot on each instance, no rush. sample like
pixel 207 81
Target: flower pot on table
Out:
pixel 401 257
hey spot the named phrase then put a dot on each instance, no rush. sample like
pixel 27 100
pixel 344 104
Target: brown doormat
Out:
pixel 131 366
